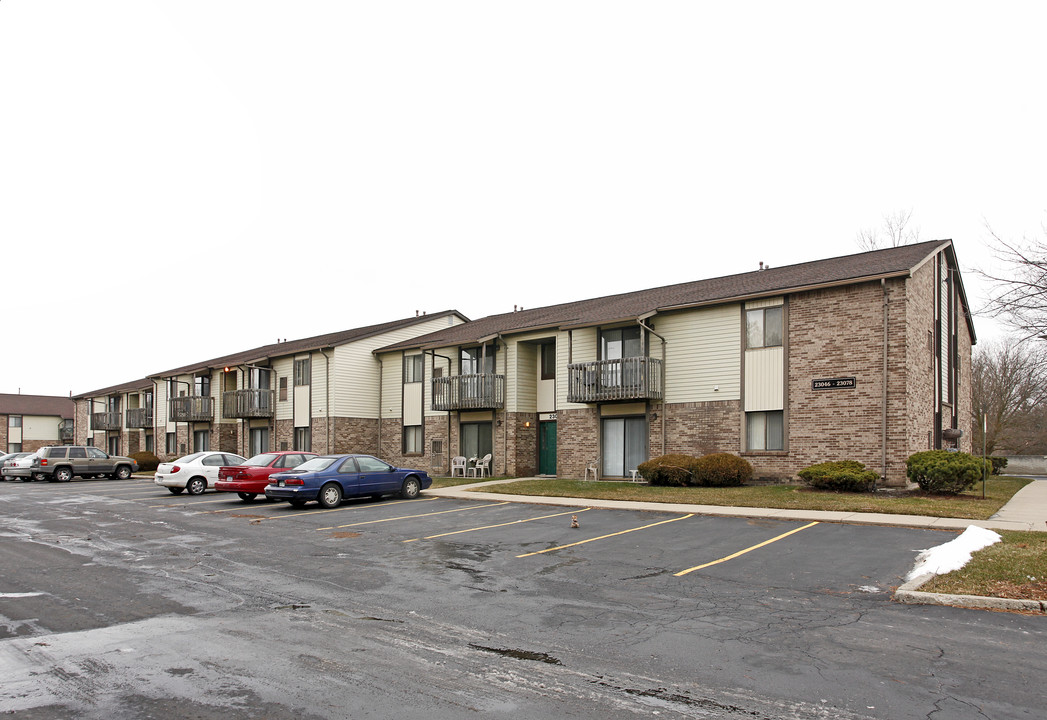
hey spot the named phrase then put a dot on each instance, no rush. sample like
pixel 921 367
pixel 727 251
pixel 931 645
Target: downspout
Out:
pixel 883 439
pixel 437 355
pixel 327 400
pixel 641 323
pixel 381 383
pixel 505 411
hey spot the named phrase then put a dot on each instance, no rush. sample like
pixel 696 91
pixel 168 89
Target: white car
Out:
pixel 18 465
pixel 195 472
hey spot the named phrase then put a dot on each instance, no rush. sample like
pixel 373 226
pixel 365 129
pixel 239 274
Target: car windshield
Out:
pixel 261 460
pixel 189 458
pixel 315 464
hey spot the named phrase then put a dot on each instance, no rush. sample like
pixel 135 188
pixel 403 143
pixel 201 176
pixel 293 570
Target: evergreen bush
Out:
pixel 840 476
pixel 947 473
pixel 722 470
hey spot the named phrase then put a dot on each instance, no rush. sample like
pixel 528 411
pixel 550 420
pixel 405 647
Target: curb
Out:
pixel 910 594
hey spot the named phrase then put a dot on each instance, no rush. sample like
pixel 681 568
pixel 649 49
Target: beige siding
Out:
pixel 764 379
pixel 356 375
pixel 522 379
pixel 412 403
pixel 283 367
pixel 702 354
pixel 582 347
pixel 39 427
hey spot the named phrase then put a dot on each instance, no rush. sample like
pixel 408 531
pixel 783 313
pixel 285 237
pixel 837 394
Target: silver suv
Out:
pixel 59 463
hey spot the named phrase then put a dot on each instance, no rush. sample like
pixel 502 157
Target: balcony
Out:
pixel 140 418
pixel 66 432
pixel 191 408
pixel 250 403
pixel 469 392
pixel 634 378
pixel 105 421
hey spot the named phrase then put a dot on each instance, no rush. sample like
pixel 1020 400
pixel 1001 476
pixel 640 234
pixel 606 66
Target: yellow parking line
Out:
pixel 408 517
pixel 488 527
pixel 746 550
pixel 622 532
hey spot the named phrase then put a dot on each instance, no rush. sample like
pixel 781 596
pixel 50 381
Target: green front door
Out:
pixel 547 448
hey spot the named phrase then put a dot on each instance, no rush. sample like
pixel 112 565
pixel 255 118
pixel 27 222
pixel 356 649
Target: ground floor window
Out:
pixel 201 440
pixel 171 445
pixel 259 440
pixel 14 447
pixel 149 443
pixel 765 430
pixel 412 444
pixel 476 439
pixel 624 443
pixel 303 439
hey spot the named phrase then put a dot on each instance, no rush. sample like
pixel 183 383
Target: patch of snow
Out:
pixel 954 554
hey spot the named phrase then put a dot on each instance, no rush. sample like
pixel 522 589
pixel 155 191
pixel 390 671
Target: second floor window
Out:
pixel 475 362
pixel 259 378
pixel 763 327
pixel 301 371
pixel 413 368
pixel 202 385
pixel 620 343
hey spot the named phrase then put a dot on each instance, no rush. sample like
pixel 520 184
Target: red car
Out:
pixel 249 480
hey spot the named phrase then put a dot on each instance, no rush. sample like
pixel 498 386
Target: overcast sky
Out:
pixel 182 180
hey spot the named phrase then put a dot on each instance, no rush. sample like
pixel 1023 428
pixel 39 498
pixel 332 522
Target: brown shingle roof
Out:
pixel 133 386
pixel 53 405
pixel 629 306
pixel 283 349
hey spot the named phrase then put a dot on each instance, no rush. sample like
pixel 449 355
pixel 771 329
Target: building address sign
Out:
pixel 844 383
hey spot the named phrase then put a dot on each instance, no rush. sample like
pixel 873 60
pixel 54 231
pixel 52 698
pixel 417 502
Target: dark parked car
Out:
pixel 329 478
pixel 249 480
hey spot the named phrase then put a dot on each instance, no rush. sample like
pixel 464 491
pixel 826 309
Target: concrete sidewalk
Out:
pixel 1027 510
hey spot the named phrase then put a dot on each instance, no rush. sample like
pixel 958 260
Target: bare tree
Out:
pixel 1020 292
pixel 894 231
pixel 1009 380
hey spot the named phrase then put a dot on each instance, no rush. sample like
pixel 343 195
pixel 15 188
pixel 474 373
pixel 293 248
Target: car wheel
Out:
pixel 123 472
pixel 248 497
pixel 330 495
pixel 297 504
pixel 411 488
pixel 176 491
pixel 63 475
pixel 196 486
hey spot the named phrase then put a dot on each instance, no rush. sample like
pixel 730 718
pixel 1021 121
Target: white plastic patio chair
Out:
pixel 458 465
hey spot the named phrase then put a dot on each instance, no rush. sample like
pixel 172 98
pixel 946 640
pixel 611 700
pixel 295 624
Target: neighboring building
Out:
pixel 29 422
pixel 118 419
pixel 319 394
pixel 863 357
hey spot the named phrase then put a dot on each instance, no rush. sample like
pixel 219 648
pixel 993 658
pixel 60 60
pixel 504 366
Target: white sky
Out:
pixel 190 178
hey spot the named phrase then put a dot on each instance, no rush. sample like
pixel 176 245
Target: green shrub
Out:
pixel 998 464
pixel 840 476
pixel 147 461
pixel 948 473
pixel 674 470
pixel 722 470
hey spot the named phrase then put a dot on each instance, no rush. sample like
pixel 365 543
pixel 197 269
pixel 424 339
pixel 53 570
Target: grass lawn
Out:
pixel 1015 567
pixel 443 482
pixel 969 505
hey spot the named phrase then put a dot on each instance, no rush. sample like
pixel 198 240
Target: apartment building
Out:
pixel 318 393
pixel 29 422
pixel 864 357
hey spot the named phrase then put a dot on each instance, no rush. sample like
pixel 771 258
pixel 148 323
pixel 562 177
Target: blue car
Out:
pixel 329 478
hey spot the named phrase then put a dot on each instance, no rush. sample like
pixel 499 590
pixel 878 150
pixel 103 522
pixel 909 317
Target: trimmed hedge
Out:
pixel 147 461
pixel 947 473
pixel 840 476
pixel 673 470
pixel 722 470
pixel 998 464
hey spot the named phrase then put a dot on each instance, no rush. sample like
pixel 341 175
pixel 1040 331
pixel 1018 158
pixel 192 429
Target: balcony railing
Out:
pixel 140 417
pixel 249 403
pixel 634 378
pixel 66 431
pixel 191 408
pixel 105 421
pixel 469 392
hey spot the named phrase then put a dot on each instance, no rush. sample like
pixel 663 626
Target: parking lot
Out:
pixel 497 605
